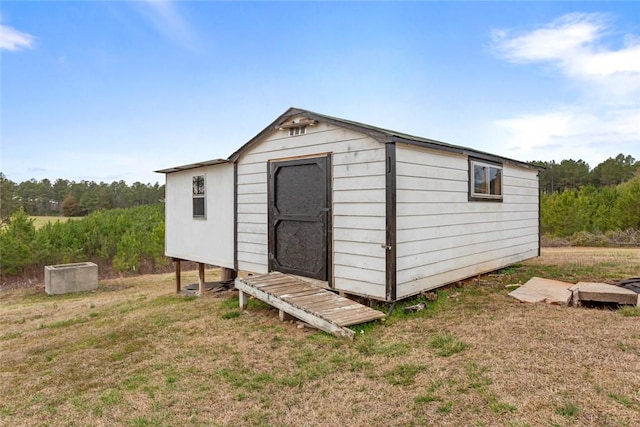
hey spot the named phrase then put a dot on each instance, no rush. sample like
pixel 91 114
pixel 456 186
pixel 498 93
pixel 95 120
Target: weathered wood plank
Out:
pixel 268 282
pixel 316 306
pixel 297 294
pixel 292 290
pixel 345 319
pixel 274 288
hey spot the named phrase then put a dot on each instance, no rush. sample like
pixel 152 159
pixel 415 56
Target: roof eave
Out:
pixel 193 166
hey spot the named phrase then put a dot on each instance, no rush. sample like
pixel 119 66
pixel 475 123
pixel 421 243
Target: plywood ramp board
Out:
pixel 318 307
pixel 538 289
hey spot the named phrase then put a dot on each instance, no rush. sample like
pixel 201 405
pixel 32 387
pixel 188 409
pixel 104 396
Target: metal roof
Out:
pixel 193 166
pixel 379 134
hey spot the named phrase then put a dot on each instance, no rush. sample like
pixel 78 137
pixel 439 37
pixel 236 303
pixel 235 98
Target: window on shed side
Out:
pixel 198 188
pixel 485 181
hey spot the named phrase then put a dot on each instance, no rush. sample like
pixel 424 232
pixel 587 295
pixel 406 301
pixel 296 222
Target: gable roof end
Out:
pixel 379 134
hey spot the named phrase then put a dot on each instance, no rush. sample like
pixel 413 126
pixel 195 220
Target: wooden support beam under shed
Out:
pixel 227 274
pixel 178 275
pixel 200 278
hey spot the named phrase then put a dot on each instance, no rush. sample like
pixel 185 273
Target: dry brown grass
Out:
pixel 135 354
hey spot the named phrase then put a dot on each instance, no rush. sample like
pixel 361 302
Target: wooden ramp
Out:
pixel 318 307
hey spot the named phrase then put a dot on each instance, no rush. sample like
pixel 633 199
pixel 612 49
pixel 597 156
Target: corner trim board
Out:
pixel 235 216
pixel 391 277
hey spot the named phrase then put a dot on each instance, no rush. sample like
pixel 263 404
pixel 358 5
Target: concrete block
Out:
pixel 67 278
pixel 603 292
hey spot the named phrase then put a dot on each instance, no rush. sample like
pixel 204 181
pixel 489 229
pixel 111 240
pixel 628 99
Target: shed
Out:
pixel 354 208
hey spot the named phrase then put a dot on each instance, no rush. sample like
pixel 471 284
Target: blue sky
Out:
pixel 106 91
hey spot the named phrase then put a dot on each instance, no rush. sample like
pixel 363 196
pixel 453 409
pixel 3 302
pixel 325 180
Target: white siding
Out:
pixel 441 236
pixel 208 240
pixel 358 203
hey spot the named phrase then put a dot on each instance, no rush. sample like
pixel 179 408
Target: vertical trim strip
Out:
pixel 539 216
pixel 235 216
pixel 270 225
pixel 391 278
pixel 329 221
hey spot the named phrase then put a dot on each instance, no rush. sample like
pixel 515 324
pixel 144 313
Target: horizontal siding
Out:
pixel 350 170
pixel 446 237
pixel 453 274
pixel 376 237
pixel 372 154
pixel 455 251
pixel 358 203
pixel 360 209
pixel 442 236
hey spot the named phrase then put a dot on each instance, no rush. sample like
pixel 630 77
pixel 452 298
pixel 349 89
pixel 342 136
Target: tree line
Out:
pixel 71 198
pixel 590 209
pixel 574 174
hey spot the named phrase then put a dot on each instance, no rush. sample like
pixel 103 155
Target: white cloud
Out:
pixel 168 20
pixel 12 39
pixel 605 116
pixel 553 42
pixel 537 130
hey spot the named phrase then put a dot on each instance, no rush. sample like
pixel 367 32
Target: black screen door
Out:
pixel 299 217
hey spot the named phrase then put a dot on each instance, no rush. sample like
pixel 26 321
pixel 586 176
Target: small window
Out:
pixel 297 130
pixel 198 196
pixel 485 181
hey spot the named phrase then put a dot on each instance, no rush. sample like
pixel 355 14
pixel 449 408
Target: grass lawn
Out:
pixel 40 221
pixel 135 354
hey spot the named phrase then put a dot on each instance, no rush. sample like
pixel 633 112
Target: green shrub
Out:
pixel 17 243
pixel 128 238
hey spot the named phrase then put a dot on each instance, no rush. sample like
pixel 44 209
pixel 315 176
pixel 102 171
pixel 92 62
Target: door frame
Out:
pixel 325 159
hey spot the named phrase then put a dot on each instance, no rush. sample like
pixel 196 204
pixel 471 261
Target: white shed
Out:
pixel 358 209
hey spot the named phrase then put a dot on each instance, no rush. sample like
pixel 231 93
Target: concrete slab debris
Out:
pixel 602 293
pixel 66 278
pixel 549 291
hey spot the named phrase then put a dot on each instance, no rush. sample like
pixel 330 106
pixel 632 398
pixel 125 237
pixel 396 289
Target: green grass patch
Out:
pixel 10 336
pixel 369 346
pixel 112 397
pixel 630 311
pixel 445 408
pixel 446 344
pixel 63 323
pixel 403 374
pixel 135 382
pixel 231 314
pixel 430 394
pixel 568 409
pixel 41 221
pixel 623 400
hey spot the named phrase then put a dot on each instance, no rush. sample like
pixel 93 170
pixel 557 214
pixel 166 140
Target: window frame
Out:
pixel 485 197
pixel 196 196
